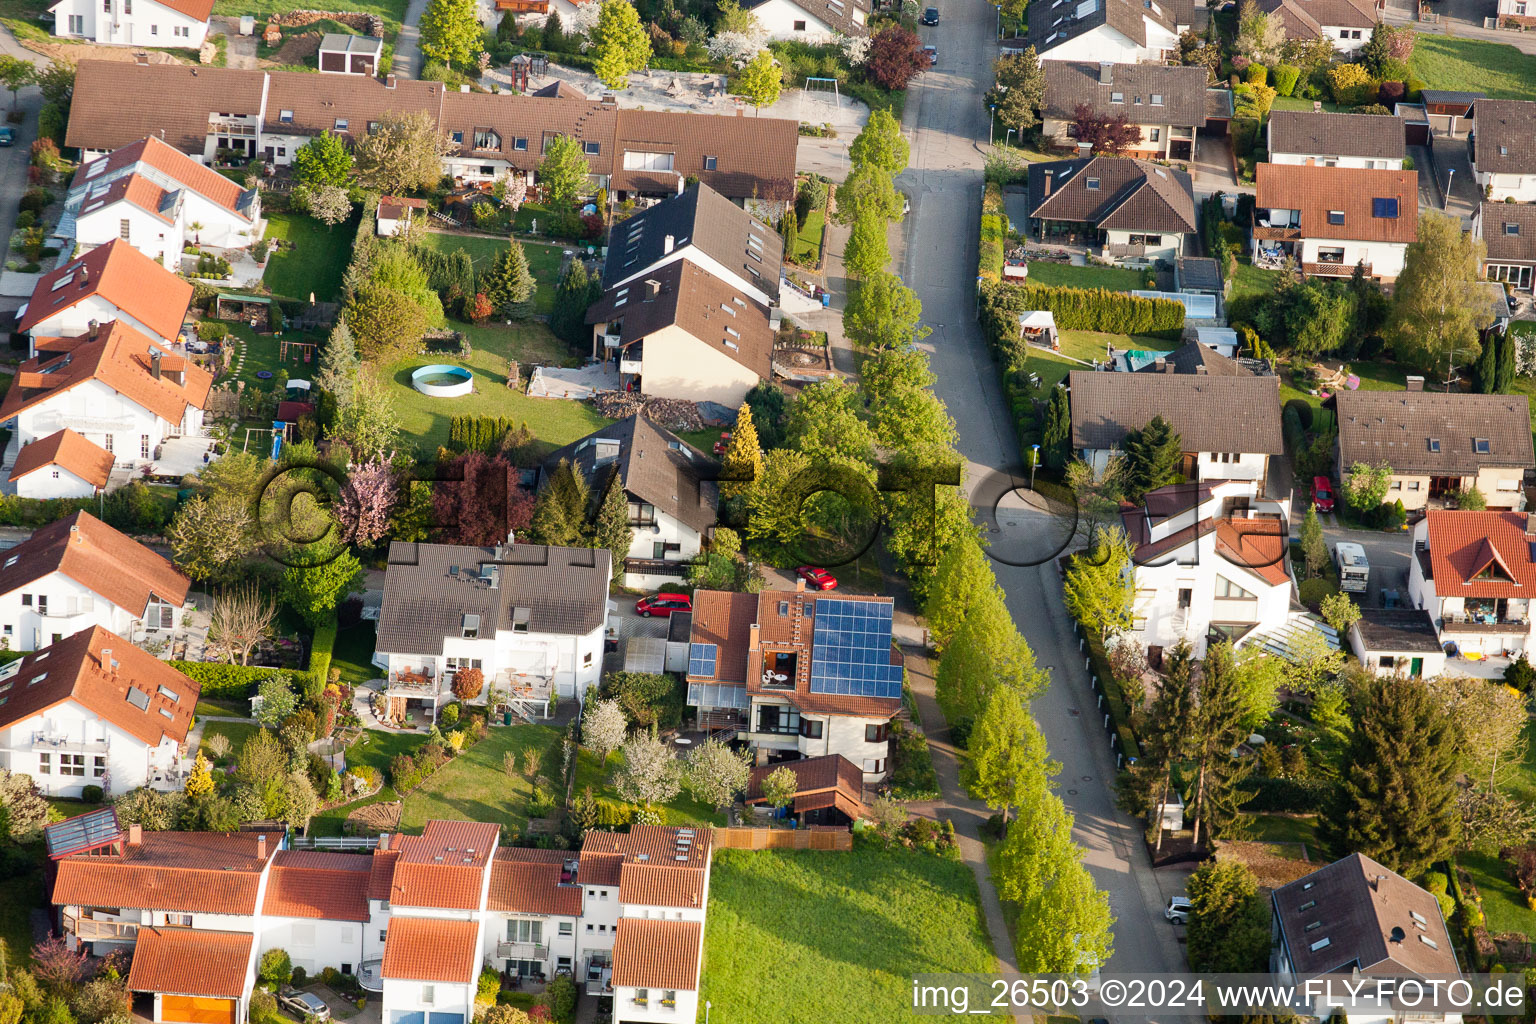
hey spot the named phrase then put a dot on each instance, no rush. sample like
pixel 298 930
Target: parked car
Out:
pixel 816 579
pixel 932 53
pixel 930 16
pixel 1322 493
pixel 906 204
pixel 304 1005
pixel 1177 910
pixel 7 136
pixel 663 605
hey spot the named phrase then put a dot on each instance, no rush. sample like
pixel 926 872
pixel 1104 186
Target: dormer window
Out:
pixel 285 117
pixel 486 138
pixel 471 627
pixel 520 619
pixel 341 124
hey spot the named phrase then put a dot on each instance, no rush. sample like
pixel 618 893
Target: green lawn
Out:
pixel 681 810
pixel 843 932
pixel 554 421
pixel 808 239
pixel 473 786
pixel 1473 65
pixel 1251 280
pixel 238 733
pixel 319 255
pixel 1521 784
pixel 1095 345
pixel 1113 278
pixel 1502 900
pixel 392 11
pixel 544 260
pixel 1282 828
pixel 353 654
pixel 1297 103
pixel 374 748
pixel 263 352
pixel 207 706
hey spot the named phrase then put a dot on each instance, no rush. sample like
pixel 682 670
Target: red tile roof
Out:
pixel 1317 190
pixel 827 781
pixel 191 962
pixel 184 872
pixel 93 554
pixel 656 954
pixel 528 882
pixel 644 864
pixel 133 188
pixel 112 686
pixel 125 278
pixel 197 9
pixel 67 450
pixel 309 883
pixel 1257 545
pixel 444 866
pixel 1463 543
pixel 382 872
pixel 431 949
pixel 122 359
pixel 724 619
pixel 661 885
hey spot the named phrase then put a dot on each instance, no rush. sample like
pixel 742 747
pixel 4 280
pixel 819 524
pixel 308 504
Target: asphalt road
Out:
pixel 947 123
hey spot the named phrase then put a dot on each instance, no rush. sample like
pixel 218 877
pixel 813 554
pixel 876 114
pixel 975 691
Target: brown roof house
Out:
pixel 1345 23
pixel 829 790
pixel 797 674
pixel 116 390
pixel 530 617
pixel 681 332
pixel 1166 101
pixel 1332 219
pixel 1133 210
pixel 1439 444
pixel 1122 31
pixel 79 571
pixel 1502 146
pixel 669 484
pixel 1508 231
pixel 1336 140
pixel 270 114
pixel 178 23
pixel 91 709
pixel 1356 915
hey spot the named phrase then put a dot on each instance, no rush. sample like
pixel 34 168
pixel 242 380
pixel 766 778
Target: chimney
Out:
pixel 135 834
pixel 652 288
pixel 92 329
pixel 154 363
pixel 1106 72
pixel 799 584
pixel 740 112
pixel 669 244
pixel 141 58
pixel 389 81
pixel 85 275
pixel 1530 524
pixel 464 88
pixel 261 846
pixel 1048 176
pixel 1160 365
pixel 1414 384
pixel 1169 367
pixel 1202 368
pixel 754 638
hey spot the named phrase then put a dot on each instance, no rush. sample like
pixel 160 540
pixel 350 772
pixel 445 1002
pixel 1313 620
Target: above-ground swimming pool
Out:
pixel 443 381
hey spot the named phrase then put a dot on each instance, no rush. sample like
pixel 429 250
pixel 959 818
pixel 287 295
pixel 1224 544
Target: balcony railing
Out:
pixel 90 930
pixel 1277 234
pixel 412 684
pixel 521 951
pixel 231 128
pixel 1480 624
pixel 656 567
pixel 52 741
pixel 1331 269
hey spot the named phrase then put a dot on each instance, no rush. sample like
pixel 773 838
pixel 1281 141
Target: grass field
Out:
pixel 808 238
pixel 353 654
pixel 1297 103
pixel 1283 828
pixel 373 748
pixel 1502 900
pixel 1497 70
pixel 544 260
pixel 473 786
pixel 1251 280
pixel 18 895
pixel 238 733
pixel 1062 276
pixel 264 351
pixel 1095 345
pixel 841 932
pixel 553 421
pixel 319 255
pixel 392 11
pixel 681 810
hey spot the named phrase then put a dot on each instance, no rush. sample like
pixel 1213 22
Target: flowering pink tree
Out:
pixel 365 503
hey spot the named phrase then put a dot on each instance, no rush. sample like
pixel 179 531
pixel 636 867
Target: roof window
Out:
pixel 1307 905
pixel 1117 97
pixel 1431 943
pixel 138 698
pixel 520 619
pixel 471 627
pixel 1157 99
pixel 1313 926
pixel 285 117
pixel 1335 216
pixel 1093 184
pixel 1503 151
pixel 1416 915
pixel 1321 943
pixel 11 561
pixel 1481 445
pixel 37 679
pixel 170 694
pixel 1511 229
pixel 167 713
pixel 1434 444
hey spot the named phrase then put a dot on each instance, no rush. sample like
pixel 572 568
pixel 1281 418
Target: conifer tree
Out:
pixel 612 530
pixel 509 283
pixel 743 456
pixel 560 513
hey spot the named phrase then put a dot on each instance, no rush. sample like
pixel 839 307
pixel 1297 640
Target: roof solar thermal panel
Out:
pixel 701 659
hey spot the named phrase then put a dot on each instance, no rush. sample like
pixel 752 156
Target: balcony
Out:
pixel 1483 624
pixel 521 951
pixel 656 567
pixel 1331 269
pixel 600 980
pixel 629 365
pixel 53 741
pixel 88 930
pixel 1269 234
pixel 412 684
pixel 231 128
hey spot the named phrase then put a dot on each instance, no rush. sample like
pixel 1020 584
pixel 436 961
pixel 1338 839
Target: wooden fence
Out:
pixel 814 837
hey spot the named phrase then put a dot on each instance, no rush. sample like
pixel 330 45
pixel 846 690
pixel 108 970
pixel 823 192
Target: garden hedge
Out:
pixel 320 657
pixel 1084 309
pixel 994 232
pixel 225 682
pixel 1295 796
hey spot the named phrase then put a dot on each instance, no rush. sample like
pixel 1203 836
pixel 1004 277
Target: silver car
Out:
pixel 305 1005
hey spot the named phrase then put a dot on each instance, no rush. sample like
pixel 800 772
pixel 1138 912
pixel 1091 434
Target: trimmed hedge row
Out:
pixel 1296 796
pixel 1098 309
pixel 225 682
pixel 994 233
pixel 320 655
pixel 1114 696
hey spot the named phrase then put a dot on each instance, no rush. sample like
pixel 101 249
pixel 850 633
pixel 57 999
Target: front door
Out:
pixel 1416 667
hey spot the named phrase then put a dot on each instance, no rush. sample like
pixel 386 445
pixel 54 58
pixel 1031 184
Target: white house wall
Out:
pixel 147 233
pixel 129 23
pixel 129 761
pixel 72 606
pixel 784 20
pixel 1172 245
pixel 1384 258
pixel 1499 187
pixel 406 998
pixel 314 944
pixel 1103 44
pixel 94 410
pixel 1330 160
pixel 677 365
pixel 1161 622
pixel 53 482
pixel 76 320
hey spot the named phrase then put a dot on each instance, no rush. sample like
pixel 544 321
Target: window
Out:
pixel 1413 485
pixel 1386 661
pixel 810 728
pixel 777 719
pixel 108 441
pixel 567 927
pixel 1117 97
pixel 1186 597
pixel 1434 444
pixel 586 660
pixel 77 24
pixel 562 963
pixel 285 117
pixel 602 894
pixel 1227 589
pixel 1335 216
pixel 799 26
pixel 1093 184
pixel 589 929
pixel 457 137
pixel 1481 445
pixel 1511 229
pixel 26 600
pixel 341 126
pixel 711 163
pixel 520 145
pixel 72 764
pixel 642 514
pixel 644 161
pixel 98 766
pixel 471 627
pixel 1155 135
pixel 55 474
pixel 485 138
pixel 642 996
pixel 42 604
pixel 383 933
pixel 1157 99
pixel 592 894
pixel 143 446
pixel 45 764
pixel 603 928
pixel 1395 485
pixel 591 148
pixel 874 766
pixel 428 994
pixel 669 997
pixel 878 733
pixel 1332 254
pixel 154 30
pixel 106 6
pixel 184 920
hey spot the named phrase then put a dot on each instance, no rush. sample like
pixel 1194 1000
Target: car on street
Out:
pixel 304 1005
pixel 816 579
pixel 906 204
pixel 930 16
pixel 7 136
pixel 663 605
pixel 932 53
pixel 1322 493
pixel 1177 909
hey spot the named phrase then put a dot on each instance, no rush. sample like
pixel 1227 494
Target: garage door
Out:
pixel 197 1010
pixel 445 1018
pixel 408 1017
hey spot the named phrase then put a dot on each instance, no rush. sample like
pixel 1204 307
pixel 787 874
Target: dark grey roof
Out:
pixel 1496 221
pixel 1504 141
pixel 430 588
pixel 1210 414
pixel 348 43
pixel 1398 629
pixel 655 465
pixel 1193 357
pixel 1368 917
pixel 1113 193
pixel 1436 96
pixel 1181 91
pixel 680 627
pixel 1324 134
pixel 1398 428
pixel 1218 103
pixel 703 218
pixel 1053 24
pixel 1198 272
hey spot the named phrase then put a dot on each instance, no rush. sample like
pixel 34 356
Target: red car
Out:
pixel 663 605
pixel 1322 493
pixel 817 579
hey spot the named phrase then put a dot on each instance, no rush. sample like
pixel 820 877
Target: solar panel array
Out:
pixel 86 831
pixel 851 649
pixel 701 659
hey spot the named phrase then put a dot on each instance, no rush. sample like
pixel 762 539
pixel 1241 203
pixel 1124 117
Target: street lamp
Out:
pixel 1033 462
pixel 1451 174
pixel 992 124
pixel 707 1006
pixel 1008 136
pixel 999 20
